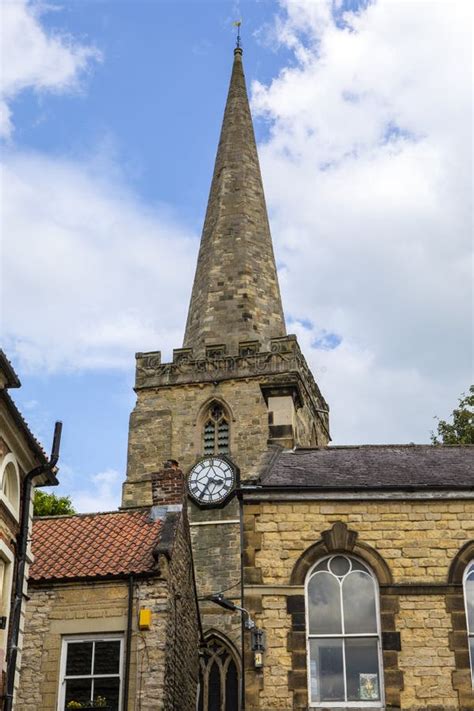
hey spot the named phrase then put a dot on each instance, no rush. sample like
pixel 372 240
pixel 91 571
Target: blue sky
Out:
pixel 156 98
pixel 113 115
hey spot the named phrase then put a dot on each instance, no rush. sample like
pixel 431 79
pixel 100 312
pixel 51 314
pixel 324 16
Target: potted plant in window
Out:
pixel 100 702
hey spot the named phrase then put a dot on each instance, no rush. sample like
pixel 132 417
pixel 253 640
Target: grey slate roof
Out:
pixel 373 467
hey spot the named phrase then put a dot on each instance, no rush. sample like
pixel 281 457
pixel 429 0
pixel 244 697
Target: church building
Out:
pixel 326 577
pixel 356 563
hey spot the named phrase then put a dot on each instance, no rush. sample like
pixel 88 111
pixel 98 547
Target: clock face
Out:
pixel 211 481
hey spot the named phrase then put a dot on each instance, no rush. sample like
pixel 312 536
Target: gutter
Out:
pixel 47 467
pixel 387 493
pixel 128 649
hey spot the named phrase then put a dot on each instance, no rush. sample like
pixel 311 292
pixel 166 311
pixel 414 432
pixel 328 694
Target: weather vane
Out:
pixel 237 24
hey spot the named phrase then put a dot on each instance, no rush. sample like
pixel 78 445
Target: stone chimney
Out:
pixel 168 490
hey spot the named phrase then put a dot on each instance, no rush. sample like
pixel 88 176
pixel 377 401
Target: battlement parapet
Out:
pixel 284 359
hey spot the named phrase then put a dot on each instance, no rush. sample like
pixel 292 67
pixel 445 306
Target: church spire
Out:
pixel 235 295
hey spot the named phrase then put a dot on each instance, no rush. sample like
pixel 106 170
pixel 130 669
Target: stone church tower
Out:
pixel 240 383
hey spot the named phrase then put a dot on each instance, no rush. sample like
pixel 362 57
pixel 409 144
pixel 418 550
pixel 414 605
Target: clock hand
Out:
pixel 207 485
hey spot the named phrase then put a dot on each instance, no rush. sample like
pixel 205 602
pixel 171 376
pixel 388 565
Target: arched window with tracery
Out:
pixel 216 430
pixel 219 677
pixel 469 602
pixel 343 634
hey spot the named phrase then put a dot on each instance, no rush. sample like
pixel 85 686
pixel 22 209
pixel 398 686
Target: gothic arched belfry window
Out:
pixel 216 430
pixel 219 677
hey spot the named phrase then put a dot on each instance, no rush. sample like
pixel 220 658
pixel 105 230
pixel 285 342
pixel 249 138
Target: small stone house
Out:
pixel 113 612
pixel 23 466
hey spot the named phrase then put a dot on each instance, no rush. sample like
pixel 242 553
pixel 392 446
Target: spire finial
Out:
pixel 237 24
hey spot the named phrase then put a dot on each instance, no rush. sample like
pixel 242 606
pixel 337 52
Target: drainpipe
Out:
pixel 128 650
pixel 22 546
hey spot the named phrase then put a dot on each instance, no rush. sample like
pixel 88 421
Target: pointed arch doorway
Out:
pixel 219 675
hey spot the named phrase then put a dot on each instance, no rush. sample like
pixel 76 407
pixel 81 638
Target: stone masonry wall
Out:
pixel 58 610
pixel 427 661
pixel 216 551
pixel 418 541
pixel 182 630
pixel 101 607
pixel 167 424
pixel 155 435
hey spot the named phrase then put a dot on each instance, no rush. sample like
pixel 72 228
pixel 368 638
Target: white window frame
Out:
pixel 378 636
pixel 97 637
pixel 7 558
pixel 470 633
pixel 12 505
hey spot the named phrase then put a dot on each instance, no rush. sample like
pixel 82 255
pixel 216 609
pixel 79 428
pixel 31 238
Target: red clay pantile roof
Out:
pixel 94 545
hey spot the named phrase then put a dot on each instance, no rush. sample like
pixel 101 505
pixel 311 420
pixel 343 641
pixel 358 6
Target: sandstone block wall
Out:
pixel 59 610
pixel 167 423
pixel 182 631
pixel 164 659
pixel 418 540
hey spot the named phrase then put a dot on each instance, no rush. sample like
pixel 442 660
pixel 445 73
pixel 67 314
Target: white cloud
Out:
pixel 89 272
pixel 102 493
pixel 32 58
pixel 367 174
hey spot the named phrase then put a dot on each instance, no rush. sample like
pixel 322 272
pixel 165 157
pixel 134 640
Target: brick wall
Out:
pixel 168 485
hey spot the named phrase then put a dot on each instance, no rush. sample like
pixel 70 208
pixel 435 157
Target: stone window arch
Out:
pixel 215 429
pixel 460 640
pixel 340 539
pixel 219 675
pixel 468 587
pixel 10 484
pixel 343 634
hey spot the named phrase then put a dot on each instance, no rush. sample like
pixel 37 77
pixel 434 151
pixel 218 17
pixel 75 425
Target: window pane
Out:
pixel 357 565
pixel 231 688
pixel 339 565
pixel 78 690
pixel 470 601
pixel 79 659
pixel 324 604
pixel 358 596
pixel 327 682
pixel 107 657
pixel 214 703
pixel 109 690
pixel 362 670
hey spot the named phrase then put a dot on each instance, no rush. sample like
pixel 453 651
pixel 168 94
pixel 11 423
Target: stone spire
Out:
pixel 235 295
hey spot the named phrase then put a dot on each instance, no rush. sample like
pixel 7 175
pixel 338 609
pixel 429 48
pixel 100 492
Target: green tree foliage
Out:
pixel 51 505
pixel 461 429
